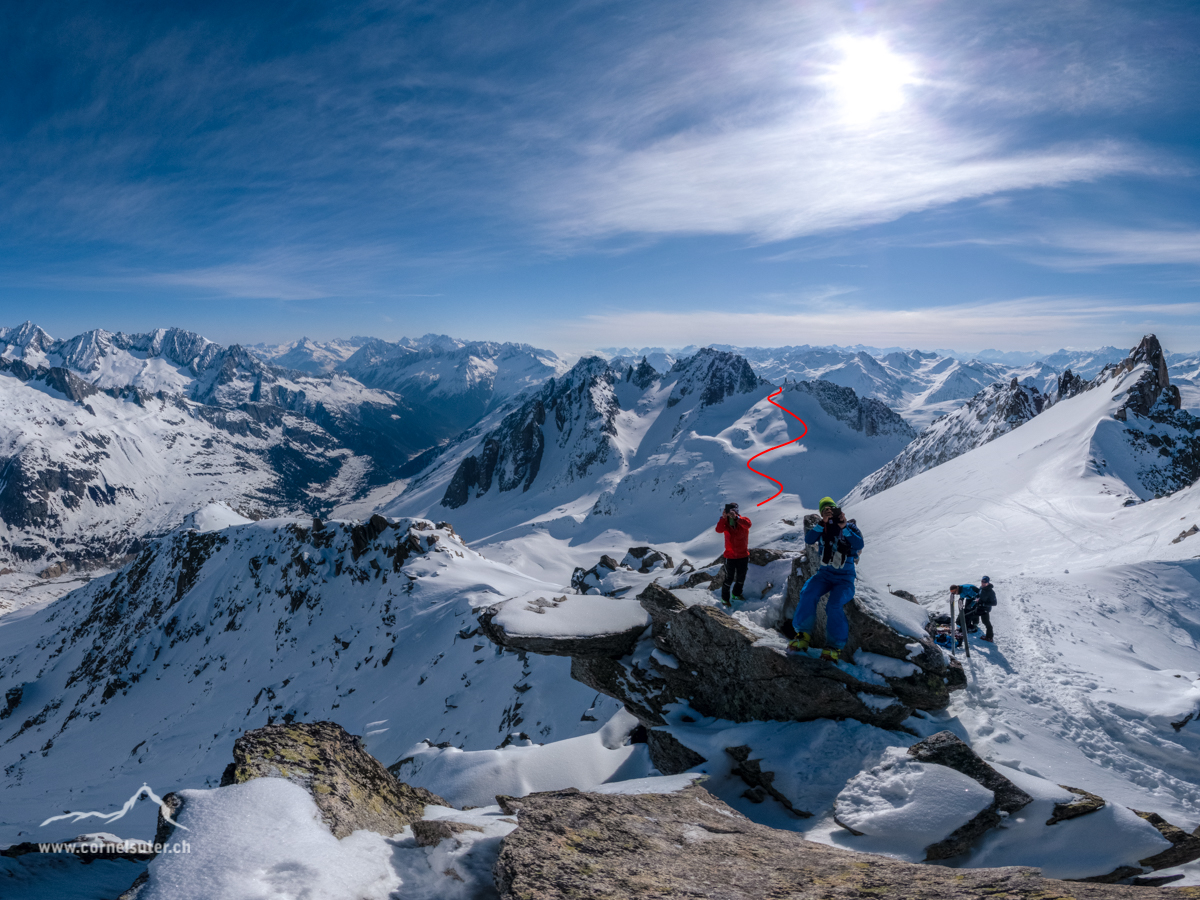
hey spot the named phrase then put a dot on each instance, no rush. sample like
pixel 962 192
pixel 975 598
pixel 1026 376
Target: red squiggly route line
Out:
pixel 771 400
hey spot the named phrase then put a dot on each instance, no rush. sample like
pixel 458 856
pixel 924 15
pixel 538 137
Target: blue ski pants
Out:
pixel 839 585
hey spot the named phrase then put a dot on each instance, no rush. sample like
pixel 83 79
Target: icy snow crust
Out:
pixel 902 806
pixel 569 615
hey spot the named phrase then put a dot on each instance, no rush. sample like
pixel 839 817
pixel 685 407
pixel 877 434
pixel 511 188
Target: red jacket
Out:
pixel 737 540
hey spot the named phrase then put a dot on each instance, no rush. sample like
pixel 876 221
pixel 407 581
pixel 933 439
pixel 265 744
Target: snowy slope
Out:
pixel 602 450
pixel 150 674
pixel 996 410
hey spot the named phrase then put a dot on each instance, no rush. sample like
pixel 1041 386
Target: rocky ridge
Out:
pixel 995 410
pixel 700 656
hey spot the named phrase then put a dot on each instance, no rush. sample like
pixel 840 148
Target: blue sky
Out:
pixel 928 173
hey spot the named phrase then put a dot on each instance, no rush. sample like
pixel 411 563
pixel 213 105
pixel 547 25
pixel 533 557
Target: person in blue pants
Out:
pixel 841 543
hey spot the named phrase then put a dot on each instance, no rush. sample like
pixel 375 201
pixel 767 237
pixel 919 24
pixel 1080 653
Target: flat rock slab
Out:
pixel 691 845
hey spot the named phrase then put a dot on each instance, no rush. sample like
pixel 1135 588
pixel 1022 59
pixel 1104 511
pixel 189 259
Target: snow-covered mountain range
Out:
pixel 361 597
pixel 603 446
pixel 919 385
pixel 1157 447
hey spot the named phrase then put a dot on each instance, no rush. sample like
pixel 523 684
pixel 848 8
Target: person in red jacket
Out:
pixel 736 529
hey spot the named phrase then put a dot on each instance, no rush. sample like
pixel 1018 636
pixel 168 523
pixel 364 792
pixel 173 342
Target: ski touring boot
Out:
pixel 831 655
pixel 800 642
pixel 738 598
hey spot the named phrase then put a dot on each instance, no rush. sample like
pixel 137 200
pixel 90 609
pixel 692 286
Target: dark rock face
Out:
pixel 715 375
pixel 945 749
pixel 1085 802
pixel 1069 384
pixel 864 414
pixel 1184 847
pixel 722 673
pixel 573 846
pixel 577 411
pixel 1144 394
pixel 647 559
pixel 351 788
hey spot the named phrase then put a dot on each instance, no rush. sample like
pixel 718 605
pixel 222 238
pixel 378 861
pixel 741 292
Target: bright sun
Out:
pixel 870 78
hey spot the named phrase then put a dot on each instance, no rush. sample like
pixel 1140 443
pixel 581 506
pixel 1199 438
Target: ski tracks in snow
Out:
pixel 1026 699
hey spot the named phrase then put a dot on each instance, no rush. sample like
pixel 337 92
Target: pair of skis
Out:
pixel 954 625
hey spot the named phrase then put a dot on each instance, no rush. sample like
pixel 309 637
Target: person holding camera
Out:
pixel 736 529
pixel 841 543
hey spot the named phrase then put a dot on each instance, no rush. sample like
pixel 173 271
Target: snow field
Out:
pixel 475 777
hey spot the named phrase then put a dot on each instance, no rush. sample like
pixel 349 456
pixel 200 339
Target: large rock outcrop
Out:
pixel 690 844
pixel 351 788
pixel 700 655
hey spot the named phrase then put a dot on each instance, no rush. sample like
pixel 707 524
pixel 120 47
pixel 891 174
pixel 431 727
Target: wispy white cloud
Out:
pixel 1044 323
pixel 771 146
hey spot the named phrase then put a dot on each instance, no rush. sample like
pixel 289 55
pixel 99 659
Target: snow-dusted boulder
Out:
pixel 351 788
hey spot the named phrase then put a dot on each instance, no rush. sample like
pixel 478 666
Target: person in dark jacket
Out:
pixel 736 529
pixel 983 609
pixel 977 603
pixel 841 543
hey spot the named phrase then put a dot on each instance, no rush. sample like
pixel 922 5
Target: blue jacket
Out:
pixel 968 592
pixel 843 551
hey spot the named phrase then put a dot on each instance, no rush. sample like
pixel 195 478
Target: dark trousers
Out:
pixel 735 576
pixel 984 614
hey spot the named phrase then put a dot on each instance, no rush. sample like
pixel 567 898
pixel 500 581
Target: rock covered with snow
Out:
pixel 206 635
pixel 567 625
pixel 729 669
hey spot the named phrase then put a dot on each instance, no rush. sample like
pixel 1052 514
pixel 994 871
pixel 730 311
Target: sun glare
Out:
pixel 870 79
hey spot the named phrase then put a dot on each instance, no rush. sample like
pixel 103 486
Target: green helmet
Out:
pixel 826 501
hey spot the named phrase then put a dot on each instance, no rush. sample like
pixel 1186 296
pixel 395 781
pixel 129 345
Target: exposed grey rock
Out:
pixel 1184 847
pixel 760 783
pixel 1145 392
pixel 583 579
pixel 1186 534
pixel 575 846
pixel 670 756
pixel 905 595
pixel 722 673
pixel 946 749
pixel 431 832
pixel 612 646
pixel 351 788
pixel 647 559
pixel 1085 802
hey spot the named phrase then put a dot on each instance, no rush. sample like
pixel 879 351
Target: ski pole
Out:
pixel 953 625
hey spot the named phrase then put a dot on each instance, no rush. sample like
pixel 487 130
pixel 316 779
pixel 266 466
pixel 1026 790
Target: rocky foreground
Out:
pixel 574 845
pixel 682 842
